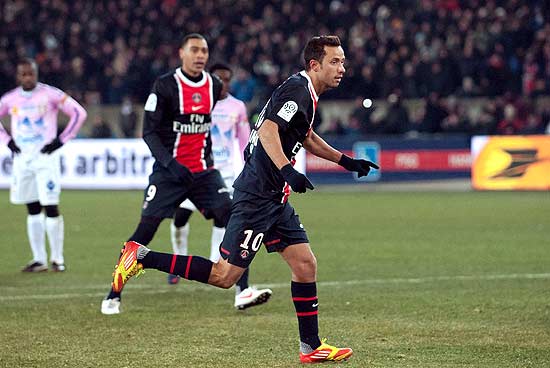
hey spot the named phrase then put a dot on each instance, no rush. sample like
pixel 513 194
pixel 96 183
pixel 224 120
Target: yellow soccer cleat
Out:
pixel 326 353
pixel 127 265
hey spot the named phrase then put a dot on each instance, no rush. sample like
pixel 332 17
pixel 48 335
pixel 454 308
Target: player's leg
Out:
pixel 136 258
pixel 179 228
pixel 48 179
pixel 239 246
pixel 161 198
pixel 179 233
pixel 303 265
pixel 290 239
pixel 37 238
pixel 24 190
pixel 56 233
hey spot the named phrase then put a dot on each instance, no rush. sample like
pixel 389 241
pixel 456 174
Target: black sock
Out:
pixel 304 296
pixel 243 281
pixel 189 267
pixel 113 294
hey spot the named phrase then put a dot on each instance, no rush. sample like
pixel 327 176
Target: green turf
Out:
pixel 406 280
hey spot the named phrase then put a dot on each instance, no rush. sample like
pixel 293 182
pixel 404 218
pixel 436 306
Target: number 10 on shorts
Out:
pixel 255 243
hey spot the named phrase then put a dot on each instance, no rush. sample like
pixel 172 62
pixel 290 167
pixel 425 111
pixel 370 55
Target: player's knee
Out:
pixel 34 208
pixel 305 267
pixel 52 211
pixel 182 216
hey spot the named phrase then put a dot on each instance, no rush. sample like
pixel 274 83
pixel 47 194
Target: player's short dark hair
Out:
pixel 27 61
pixel 191 36
pixel 315 48
pixel 221 66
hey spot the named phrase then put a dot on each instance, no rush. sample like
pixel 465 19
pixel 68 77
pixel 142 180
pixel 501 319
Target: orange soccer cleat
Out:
pixel 326 353
pixel 127 265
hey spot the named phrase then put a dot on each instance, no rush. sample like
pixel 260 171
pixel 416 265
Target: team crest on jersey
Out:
pixel 197 97
pixel 244 254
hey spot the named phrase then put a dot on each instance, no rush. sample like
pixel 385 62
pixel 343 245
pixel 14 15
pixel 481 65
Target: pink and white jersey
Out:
pixel 230 131
pixel 34 116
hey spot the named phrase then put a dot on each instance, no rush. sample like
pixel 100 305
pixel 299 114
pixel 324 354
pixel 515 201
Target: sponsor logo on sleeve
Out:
pixel 288 110
pixel 151 104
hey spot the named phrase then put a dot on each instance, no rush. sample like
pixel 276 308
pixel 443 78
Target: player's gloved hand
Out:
pixel 180 172
pixel 297 181
pixel 13 147
pixel 52 146
pixel 362 167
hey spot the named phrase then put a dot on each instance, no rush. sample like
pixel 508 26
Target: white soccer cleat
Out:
pixel 250 297
pixel 110 306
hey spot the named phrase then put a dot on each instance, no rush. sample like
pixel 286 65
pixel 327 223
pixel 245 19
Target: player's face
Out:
pixel 225 76
pixel 194 55
pixel 332 67
pixel 27 76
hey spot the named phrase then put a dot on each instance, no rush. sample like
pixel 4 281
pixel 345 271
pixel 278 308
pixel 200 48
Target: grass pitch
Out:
pixel 405 279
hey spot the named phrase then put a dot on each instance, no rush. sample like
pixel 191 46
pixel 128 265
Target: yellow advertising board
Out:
pixel 511 162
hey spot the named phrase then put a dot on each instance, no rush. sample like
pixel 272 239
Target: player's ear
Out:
pixel 181 52
pixel 315 65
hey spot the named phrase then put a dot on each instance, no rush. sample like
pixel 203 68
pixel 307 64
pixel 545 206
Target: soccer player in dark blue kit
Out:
pixel 260 212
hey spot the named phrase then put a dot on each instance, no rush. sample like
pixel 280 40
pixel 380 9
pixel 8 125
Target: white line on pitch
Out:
pixel 157 289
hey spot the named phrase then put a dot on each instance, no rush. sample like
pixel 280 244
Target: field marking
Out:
pixel 161 289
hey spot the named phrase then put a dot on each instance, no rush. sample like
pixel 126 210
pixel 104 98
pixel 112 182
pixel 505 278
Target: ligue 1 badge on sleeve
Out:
pixel 369 151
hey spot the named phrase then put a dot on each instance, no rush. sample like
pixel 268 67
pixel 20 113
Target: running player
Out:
pixel 261 212
pixel 230 131
pixel 34 142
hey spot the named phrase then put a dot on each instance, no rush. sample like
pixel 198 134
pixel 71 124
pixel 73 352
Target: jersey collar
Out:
pixel 188 81
pixel 310 85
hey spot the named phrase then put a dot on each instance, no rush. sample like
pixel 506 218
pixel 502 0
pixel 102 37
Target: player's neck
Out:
pixel 318 85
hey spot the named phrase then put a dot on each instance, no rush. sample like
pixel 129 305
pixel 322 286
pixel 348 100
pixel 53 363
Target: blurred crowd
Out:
pixel 433 50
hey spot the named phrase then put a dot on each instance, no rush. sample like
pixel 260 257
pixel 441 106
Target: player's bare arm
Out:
pixel 269 137
pixel 316 145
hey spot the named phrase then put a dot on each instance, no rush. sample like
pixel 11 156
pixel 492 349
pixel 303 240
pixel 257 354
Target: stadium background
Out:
pixel 433 279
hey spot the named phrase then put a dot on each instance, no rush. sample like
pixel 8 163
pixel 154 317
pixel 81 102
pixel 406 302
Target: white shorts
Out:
pixel 227 178
pixel 36 178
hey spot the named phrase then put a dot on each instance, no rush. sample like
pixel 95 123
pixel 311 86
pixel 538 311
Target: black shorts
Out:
pixel 255 220
pixel 164 193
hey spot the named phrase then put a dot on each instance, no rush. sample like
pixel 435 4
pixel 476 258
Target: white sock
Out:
pixel 56 234
pixel 217 237
pixel 179 236
pixel 37 237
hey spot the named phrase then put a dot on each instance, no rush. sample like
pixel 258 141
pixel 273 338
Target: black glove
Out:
pixel 297 181
pixel 52 146
pixel 180 172
pixel 361 166
pixel 13 147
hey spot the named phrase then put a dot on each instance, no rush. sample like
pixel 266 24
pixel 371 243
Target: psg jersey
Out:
pixel 177 119
pixel 292 107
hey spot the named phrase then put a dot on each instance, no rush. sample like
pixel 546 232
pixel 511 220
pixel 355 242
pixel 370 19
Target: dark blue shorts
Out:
pixel 255 221
pixel 165 193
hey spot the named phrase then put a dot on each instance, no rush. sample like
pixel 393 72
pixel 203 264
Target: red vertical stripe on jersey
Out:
pixel 189 151
pixel 314 105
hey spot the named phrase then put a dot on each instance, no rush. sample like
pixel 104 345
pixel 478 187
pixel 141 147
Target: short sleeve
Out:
pixel 290 104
